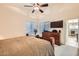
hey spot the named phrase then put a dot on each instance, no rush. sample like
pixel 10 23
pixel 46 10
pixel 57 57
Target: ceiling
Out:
pixel 54 10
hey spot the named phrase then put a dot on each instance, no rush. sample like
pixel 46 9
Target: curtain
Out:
pixel 30 26
pixel 42 26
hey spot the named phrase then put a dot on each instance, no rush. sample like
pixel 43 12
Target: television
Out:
pixel 56 24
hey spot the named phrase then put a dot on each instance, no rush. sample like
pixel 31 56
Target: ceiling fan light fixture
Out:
pixel 36 8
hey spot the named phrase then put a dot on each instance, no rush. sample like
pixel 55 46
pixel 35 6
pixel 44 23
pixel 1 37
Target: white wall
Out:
pixel 12 22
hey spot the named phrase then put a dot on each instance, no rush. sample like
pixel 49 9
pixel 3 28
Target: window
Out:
pixel 30 26
pixel 42 26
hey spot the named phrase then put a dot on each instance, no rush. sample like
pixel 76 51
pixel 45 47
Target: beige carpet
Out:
pixel 65 50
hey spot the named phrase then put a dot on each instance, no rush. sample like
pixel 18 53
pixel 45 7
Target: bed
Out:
pixel 25 46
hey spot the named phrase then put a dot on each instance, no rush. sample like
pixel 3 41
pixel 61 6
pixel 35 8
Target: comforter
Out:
pixel 25 46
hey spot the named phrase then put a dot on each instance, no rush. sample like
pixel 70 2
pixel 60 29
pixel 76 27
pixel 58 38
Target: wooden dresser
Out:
pixel 56 36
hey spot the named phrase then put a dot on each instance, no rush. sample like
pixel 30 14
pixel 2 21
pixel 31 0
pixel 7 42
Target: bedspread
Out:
pixel 25 46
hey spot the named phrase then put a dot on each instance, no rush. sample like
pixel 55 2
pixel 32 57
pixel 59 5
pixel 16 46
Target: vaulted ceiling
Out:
pixel 53 11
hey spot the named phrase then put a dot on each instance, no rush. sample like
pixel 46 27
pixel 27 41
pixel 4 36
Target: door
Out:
pixel 72 34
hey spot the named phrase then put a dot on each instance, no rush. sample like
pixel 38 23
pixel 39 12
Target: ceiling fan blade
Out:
pixel 28 6
pixel 41 10
pixel 44 5
pixel 37 3
pixel 33 11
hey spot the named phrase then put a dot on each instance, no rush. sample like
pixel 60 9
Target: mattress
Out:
pixel 25 46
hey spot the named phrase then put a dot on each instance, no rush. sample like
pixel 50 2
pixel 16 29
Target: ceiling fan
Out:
pixel 36 6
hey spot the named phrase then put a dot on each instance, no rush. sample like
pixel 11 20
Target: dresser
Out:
pixel 48 35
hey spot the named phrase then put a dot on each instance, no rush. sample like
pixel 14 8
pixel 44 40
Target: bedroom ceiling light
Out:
pixel 36 8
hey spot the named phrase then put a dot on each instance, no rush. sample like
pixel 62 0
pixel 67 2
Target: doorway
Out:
pixel 72 33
